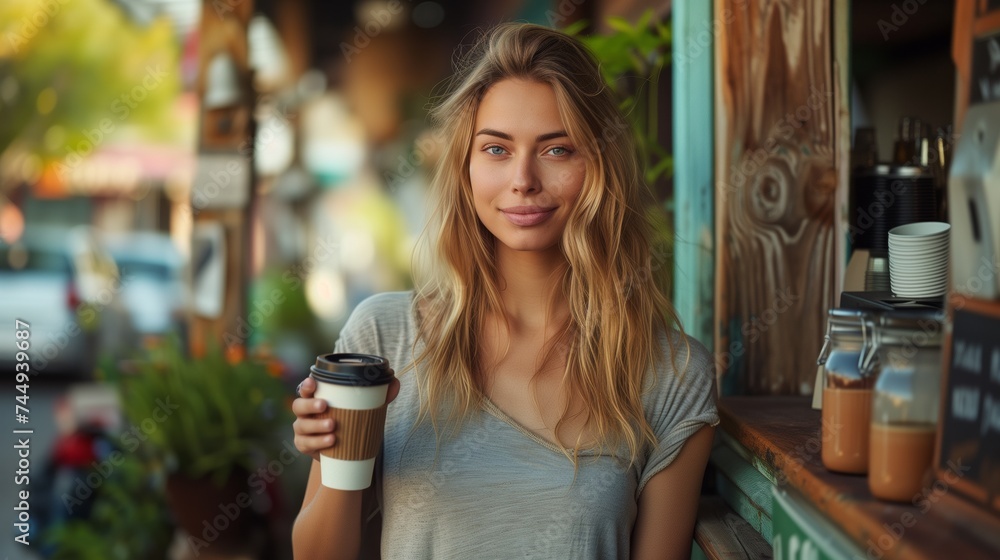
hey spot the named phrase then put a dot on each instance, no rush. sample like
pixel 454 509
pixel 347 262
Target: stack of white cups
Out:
pixel 918 259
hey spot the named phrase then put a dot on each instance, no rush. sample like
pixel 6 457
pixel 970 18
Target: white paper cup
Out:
pixel 354 387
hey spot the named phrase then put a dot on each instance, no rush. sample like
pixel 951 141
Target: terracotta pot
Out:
pixel 219 517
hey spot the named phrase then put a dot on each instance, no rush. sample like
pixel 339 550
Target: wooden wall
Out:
pixel 779 191
pixel 694 258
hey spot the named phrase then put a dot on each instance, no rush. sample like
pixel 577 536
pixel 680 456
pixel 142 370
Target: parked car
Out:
pixel 64 286
pixel 154 288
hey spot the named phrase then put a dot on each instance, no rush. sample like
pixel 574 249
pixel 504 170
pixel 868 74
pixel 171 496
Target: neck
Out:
pixel 529 287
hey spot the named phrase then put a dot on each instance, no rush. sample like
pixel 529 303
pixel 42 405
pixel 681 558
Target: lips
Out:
pixel 527 215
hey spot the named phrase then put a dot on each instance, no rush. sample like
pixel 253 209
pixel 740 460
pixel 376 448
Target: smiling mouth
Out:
pixel 527 215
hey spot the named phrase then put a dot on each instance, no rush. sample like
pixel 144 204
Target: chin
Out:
pixel 530 246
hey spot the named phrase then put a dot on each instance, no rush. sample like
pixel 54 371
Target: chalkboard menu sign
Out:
pixel 969 439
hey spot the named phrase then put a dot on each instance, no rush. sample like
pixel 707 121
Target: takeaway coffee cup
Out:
pixel 355 388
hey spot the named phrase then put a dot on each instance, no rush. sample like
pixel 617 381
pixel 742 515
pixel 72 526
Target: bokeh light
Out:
pixel 47 99
pixel 11 222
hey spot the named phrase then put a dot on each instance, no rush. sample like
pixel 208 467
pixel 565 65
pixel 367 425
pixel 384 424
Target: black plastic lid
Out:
pixel 359 370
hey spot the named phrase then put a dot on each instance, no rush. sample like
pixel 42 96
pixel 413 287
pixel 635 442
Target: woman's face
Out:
pixel 525 173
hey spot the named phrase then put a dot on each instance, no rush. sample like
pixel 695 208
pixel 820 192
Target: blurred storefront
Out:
pixel 337 155
pixel 328 131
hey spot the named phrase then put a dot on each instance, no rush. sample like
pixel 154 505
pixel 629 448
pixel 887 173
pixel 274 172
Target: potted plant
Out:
pixel 211 421
pixel 128 519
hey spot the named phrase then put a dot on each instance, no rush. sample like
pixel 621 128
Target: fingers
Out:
pixel 313 434
pixel 307 388
pixel 313 426
pixel 312 444
pixel 393 390
pixel 308 406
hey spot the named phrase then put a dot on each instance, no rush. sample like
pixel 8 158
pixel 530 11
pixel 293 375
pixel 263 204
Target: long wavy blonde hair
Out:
pixel 618 307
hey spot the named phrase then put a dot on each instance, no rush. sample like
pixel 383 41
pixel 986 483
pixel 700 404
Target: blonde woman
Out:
pixel 546 407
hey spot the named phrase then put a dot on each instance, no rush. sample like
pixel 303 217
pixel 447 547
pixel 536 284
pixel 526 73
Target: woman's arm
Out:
pixel 668 505
pixel 329 524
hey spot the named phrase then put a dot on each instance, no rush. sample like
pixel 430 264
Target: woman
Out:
pixel 546 409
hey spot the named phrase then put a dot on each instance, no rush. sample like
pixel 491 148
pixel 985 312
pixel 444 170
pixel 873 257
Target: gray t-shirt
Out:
pixel 497 490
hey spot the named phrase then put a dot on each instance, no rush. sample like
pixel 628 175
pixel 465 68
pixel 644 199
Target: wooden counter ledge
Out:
pixel 783 433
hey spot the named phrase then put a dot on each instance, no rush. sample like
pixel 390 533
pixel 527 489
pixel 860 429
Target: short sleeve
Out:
pixel 679 403
pixel 357 334
pixel 377 325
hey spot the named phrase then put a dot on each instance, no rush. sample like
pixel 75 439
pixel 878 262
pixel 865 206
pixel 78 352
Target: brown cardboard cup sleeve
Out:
pixel 358 433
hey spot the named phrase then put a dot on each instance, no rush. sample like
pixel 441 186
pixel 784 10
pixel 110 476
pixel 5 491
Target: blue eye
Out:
pixel 559 151
pixel 495 150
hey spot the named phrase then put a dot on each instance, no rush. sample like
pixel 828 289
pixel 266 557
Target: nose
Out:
pixel 525 179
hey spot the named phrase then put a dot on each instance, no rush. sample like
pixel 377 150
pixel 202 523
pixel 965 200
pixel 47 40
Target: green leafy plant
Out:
pixel 203 417
pixel 632 58
pixel 129 519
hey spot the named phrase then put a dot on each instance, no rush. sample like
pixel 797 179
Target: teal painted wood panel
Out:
pixel 743 505
pixel 744 488
pixel 745 476
pixel 745 482
pixel 724 535
pixel 694 230
pixel 759 464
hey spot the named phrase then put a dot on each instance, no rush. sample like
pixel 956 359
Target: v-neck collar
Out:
pixel 489 406
pixel 495 410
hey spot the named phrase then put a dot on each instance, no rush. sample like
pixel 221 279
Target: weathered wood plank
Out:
pixel 776 183
pixel 743 506
pixel 751 482
pixel 723 535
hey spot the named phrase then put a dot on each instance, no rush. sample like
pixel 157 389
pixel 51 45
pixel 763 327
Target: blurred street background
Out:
pixel 179 177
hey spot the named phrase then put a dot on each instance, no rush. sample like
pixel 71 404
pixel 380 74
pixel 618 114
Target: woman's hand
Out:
pixel 312 433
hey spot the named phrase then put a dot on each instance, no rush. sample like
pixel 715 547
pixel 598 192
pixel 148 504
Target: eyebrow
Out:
pixel 505 136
